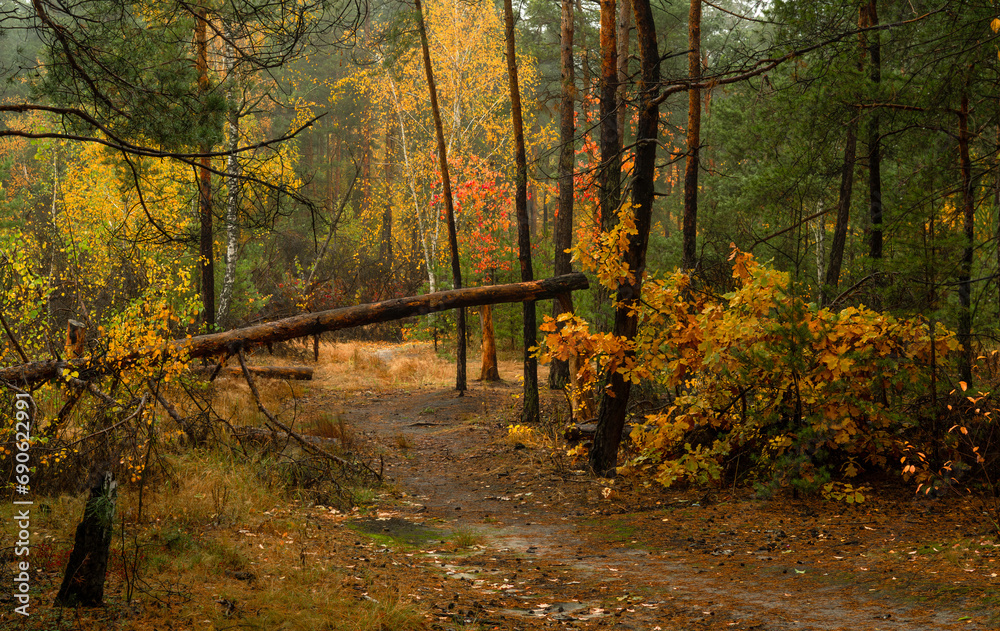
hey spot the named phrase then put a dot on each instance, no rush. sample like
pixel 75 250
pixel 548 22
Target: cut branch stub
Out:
pixel 305 325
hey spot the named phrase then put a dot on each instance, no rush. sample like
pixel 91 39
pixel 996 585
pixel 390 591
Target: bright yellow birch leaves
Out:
pixel 467 44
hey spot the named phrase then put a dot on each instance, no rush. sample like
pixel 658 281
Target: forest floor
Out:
pixel 478 528
pixel 551 546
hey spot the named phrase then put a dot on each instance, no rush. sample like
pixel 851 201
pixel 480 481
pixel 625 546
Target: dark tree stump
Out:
pixel 83 583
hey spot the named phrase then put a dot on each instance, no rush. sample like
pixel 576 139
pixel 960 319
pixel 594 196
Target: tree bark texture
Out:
pixel 996 204
pixel 611 415
pixel 233 182
pixel 611 160
pixel 206 239
pixel 449 205
pixel 386 262
pixel 871 42
pixel 303 325
pixel 965 269
pixel 83 582
pixel 624 32
pixel 563 237
pixel 530 408
pixel 874 136
pixel 690 232
pixel 489 371
pixel 843 213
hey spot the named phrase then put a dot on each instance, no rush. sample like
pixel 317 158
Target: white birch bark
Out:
pixel 428 246
pixel 233 181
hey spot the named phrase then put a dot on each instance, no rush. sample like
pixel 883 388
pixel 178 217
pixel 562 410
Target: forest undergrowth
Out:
pixel 247 530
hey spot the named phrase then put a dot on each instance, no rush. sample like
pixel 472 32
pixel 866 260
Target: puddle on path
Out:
pixel 408 532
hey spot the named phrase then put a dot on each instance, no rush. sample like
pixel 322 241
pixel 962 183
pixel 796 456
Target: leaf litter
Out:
pixel 555 547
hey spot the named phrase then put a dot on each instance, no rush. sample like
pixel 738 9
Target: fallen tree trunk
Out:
pixel 231 342
pixel 300 373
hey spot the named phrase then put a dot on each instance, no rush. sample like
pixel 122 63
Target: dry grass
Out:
pixel 356 366
pixel 216 518
pixel 218 549
pixel 403 442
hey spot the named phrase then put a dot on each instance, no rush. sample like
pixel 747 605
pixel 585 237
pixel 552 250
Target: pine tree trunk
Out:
pixel 624 31
pixel 843 214
pixel 611 163
pixel 563 238
pixel 996 206
pixel 611 416
pixel 689 255
pixel 206 238
pixel 530 408
pixel 874 139
pixel 456 268
pixel 965 269
pixel 489 371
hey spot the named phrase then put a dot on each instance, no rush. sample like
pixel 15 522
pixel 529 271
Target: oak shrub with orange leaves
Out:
pixel 758 384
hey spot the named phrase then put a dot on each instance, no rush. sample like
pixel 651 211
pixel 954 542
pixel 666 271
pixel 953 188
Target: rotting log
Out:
pixel 299 373
pixel 230 342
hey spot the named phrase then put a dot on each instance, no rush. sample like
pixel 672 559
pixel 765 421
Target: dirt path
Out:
pixel 551 546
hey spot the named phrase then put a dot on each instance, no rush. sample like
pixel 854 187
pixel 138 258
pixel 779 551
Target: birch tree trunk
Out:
pixel 233 181
pixel 428 249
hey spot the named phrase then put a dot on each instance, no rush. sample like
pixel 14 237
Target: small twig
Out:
pixel 171 410
pixel 92 389
pixel 852 288
pixel 67 407
pixel 13 340
pixel 306 445
pixel 138 411
pixel 220 366
pixel 10 386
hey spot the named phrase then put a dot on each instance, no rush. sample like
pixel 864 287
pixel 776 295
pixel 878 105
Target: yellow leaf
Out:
pixel 995 24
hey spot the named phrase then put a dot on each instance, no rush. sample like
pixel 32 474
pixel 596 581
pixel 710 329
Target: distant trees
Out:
pixel 151 83
pixel 852 144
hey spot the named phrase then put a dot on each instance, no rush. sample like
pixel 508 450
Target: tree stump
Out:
pixel 75 338
pixel 83 583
